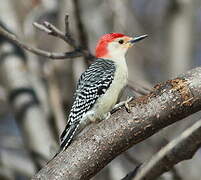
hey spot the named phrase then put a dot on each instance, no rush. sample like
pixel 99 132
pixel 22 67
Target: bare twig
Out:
pixel 167 103
pixel 52 55
pixel 42 28
pixel 83 37
pixel 51 30
pixel 80 26
pixel 67 32
pixel 66 20
pixel 181 148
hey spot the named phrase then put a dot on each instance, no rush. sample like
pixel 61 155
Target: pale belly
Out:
pixel 109 99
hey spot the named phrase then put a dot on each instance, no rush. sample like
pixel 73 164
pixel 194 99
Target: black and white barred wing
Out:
pixel 92 84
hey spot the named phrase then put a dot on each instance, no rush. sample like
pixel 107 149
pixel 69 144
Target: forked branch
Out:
pixel 50 29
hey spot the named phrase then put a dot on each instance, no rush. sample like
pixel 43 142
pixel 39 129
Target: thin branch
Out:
pixel 52 30
pixel 83 37
pixel 42 28
pixel 67 31
pixel 181 148
pixel 52 55
pixel 80 25
pixel 67 37
pixel 66 20
pixel 169 102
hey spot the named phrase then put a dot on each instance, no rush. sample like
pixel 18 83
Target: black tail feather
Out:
pixel 68 134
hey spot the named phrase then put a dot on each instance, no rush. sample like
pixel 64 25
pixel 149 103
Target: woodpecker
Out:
pixel 99 86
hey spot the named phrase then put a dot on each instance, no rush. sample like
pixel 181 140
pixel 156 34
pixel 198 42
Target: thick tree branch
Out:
pixel 167 103
pixel 182 148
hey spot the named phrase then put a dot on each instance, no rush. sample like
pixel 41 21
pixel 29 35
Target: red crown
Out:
pixel 101 48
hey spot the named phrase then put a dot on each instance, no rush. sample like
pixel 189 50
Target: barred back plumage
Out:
pixel 92 84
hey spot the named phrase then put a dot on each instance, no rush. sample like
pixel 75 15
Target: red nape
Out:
pixel 101 48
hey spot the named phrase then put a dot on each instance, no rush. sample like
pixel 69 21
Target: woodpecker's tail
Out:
pixel 67 135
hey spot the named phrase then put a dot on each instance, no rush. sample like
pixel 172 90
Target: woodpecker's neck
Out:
pixel 121 72
pixel 118 59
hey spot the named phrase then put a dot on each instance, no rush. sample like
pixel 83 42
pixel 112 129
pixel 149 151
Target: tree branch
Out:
pixel 51 30
pixel 89 58
pixel 37 51
pixel 182 148
pixel 167 103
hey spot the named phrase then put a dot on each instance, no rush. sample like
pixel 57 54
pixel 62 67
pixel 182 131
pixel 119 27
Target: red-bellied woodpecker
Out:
pixel 100 85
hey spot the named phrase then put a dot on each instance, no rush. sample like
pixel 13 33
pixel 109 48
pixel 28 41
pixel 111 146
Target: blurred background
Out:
pixel 36 93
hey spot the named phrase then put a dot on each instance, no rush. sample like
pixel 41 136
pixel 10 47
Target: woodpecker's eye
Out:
pixel 121 41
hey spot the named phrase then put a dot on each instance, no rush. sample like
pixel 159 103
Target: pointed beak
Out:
pixel 138 38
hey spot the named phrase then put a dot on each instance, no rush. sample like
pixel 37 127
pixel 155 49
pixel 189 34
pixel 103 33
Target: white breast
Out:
pixel 107 101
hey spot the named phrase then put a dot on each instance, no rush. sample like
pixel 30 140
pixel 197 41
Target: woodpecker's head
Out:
pixel 115 45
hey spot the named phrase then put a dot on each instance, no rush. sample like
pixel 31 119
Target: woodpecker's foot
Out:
pixel 107 116
pixel 128 108
pixel 123 103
